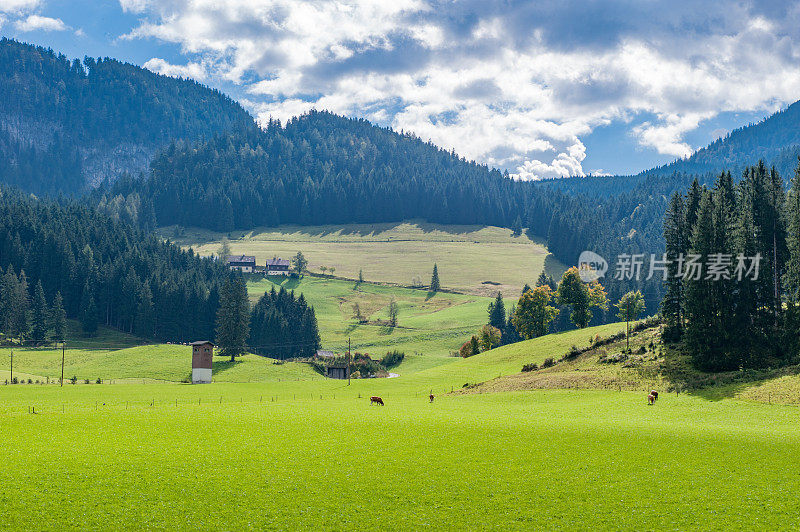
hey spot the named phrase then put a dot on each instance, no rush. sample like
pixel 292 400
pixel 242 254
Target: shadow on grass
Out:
pixel 289 283
pixel 220 366
pixel 386 330
pixel 717 386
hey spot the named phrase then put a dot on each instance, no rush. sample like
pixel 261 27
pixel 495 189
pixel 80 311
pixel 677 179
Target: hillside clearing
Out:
pixel 472 259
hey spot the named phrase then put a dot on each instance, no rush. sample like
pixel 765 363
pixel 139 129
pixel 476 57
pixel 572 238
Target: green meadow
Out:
pixel 283 447
pixel 471 259
pixel 431 324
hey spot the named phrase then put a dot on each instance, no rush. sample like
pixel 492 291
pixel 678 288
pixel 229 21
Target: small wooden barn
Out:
pixel 336 371
pixel 202 361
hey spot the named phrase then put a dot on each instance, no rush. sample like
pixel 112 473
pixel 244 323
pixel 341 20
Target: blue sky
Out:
pixel 542 89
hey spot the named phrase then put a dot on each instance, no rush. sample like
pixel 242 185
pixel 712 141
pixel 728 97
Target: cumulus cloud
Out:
pixel 189 70
pixel 513 84
pixel 18 6
pixel 40 23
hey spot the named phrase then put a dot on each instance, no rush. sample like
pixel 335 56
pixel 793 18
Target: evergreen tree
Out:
pixel 699 292
pixel 88 311
pixel 676 246
pixel 517 226
pixel 393 311
pixel 233 318
pixel 40 329
pixel 497 312
pixel 792 210
pixel 435 287
pixel 58 319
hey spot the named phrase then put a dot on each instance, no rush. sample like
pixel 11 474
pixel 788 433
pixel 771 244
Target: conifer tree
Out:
pixel 792 210
pixel 497 312
pixel 699 305
pixel 58 319
pixel 88 311
pixel 233 318
pixel 676 246
pixel 435 287
pixel 39 331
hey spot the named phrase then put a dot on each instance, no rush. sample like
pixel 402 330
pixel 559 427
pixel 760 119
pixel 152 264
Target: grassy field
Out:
pixel 431 324
pixel 472 259
pixel 295 450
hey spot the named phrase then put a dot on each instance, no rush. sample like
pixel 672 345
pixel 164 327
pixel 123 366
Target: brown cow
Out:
pixel 375 399
pixel 654 394
pixel 431 397
pixel 651 399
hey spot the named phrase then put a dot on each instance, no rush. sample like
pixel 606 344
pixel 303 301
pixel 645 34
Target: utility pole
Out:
pixel 348 361
pixel 63 353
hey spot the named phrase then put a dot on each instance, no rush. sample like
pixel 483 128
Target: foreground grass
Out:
pixel 542 459
pixel 473 259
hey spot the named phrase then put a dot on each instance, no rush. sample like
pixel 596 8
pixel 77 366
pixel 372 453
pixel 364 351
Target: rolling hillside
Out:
pixel 472 259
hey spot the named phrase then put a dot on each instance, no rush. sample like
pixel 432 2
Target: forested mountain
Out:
pixel 92 264
pixel 65 124
pixel 774 140
pixel 322 168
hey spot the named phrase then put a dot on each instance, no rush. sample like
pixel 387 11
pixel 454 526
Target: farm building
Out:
pixel 202 361
pixel 336 371
pixel 276 266
pixel 242 263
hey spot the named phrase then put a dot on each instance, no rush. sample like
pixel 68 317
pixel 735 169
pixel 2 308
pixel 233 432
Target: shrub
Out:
pixel 392 359
pixel 86 381
pixel 30 381
pixel 548 362
pixel 99 381
pixel 572 353
pixel 466 350
pixel 15 380
pixel 530 367
pixel 74 379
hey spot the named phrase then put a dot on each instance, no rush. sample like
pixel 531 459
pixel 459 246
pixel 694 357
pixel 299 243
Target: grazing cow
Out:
pixel 651 399
pixel 654 394
pixel 375 399
pixel 431 397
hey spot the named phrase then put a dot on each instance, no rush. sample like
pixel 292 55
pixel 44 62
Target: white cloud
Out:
pixel 189 70
pixel 512 86
pixel 18 6
pixel 40 23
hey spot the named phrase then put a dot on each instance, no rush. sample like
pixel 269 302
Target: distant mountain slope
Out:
pixel 322 169
pixel 68 124
pixel 775 140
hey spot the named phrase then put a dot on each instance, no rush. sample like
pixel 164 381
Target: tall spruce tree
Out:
pixel 39 329
pixel 435 286
pixel 497 312
pixel 699 305
pixel 88 311
pixel 233 318
pixel 676 246
pixel 58 318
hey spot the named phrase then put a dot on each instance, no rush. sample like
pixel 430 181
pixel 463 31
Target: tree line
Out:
pixel 280 325
pixel 742 308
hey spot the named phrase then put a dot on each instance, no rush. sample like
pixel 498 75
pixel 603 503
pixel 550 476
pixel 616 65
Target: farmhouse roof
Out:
pixel 236 259
pixel 277 262
pixel 201 342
